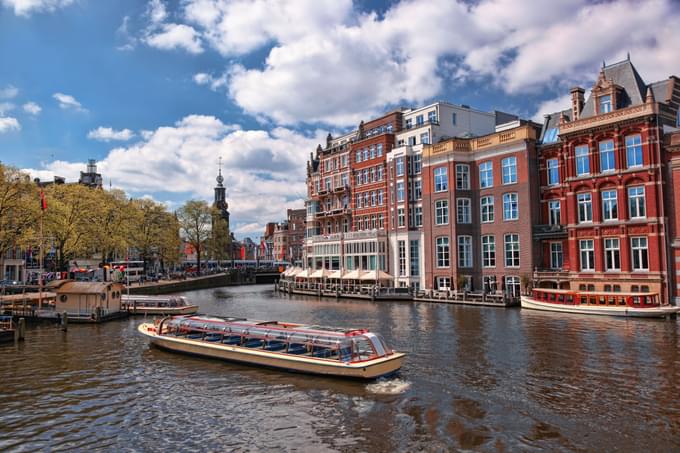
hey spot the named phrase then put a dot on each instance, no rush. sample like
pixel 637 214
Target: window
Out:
pixel 453 118
pixel 418 216
pixel 638 248
pixel 509 167
pixel 636 202
pixel 402 258
pixel 556 258
pixel 585 207
pixel 409 123
pixel 381 221
pixel 633 151
pixel 441 210
pixel 443 283
pixel 327 183
pixel 373 198
pixel 379 148
pixel 380 198
pixel 379 173
pixel 401 217
pixel 554 212
pixel 412 140
pixel 372 152
pixel 512 286
pixel 553 172
pixel 432 116
pixel 365 154
pixel 550 135
pixel 607 159
pixel 400 191
pixel 612 257
pixel 417 189
pixel 441 182
pixel 462 177
pixel 489 251
pixel 399 164
pixel 587 248
pixel 609 205
pixel 415 258
pixel 510 206
pixel 464 210
pixel 512 250
pixel 605 103
pixel 464 251
pixel 582 160
pixel 417 163
pixel 443 252
pixel 420 120
pixel 485 175
pixel 425 138
pixel 486 209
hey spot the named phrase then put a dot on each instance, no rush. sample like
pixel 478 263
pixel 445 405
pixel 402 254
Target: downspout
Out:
pixel 664 221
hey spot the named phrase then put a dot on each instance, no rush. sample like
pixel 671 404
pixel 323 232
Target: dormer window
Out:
pixel 605 103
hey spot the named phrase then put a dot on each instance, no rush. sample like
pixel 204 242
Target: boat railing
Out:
pixel 567 297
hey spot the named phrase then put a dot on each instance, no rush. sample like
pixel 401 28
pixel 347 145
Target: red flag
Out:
pixel 243 252
pixel 43 201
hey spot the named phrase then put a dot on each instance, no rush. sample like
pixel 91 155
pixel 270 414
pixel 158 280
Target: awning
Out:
pixel 336 274
pixel 304 273
pixel 376 275
pixel 353 275
pixel 320 273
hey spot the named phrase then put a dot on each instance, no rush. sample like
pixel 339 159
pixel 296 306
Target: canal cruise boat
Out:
pixel 351 353
pixel 645 305
pixel 157 305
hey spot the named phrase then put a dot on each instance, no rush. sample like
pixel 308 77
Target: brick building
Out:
pixel 605 192
pixel 288 237
pixel 479 202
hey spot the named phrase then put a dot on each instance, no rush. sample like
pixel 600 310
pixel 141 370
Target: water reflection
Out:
pixel 475 378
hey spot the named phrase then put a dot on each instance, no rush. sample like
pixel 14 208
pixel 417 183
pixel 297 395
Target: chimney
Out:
pixel 577 101
pixel 649 99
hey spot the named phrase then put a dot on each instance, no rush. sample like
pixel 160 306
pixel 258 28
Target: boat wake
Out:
pixel 393 386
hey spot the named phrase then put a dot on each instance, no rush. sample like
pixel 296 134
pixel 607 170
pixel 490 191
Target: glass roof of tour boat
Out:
pixel 219 323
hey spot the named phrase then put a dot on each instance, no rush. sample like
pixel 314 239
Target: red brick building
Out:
pixel 604 187
pixel 479 203
pixel 288 237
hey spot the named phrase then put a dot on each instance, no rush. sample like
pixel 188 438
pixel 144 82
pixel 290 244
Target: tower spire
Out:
pixel 220 178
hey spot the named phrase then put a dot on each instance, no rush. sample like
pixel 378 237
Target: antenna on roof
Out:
pixel 628 56
pixel 603 64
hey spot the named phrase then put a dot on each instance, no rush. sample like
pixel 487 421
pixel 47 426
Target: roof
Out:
pixel 660 90
pixel 626 76
pixel 71 287
pixel 553 121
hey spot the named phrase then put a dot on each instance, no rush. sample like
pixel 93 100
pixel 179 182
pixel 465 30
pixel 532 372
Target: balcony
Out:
pixel 341 188
pixel 425 123
pixel 549 232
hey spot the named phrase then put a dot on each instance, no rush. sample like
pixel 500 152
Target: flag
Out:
pixel 243 252
pixel 43 201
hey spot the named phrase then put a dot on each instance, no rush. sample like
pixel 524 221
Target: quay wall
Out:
pixel 190 284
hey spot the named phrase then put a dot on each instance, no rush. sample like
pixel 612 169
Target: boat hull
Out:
pixel 625 311
pixel 170 311
pixel 370 369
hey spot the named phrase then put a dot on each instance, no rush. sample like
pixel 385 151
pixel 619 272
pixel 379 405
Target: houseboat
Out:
pixel 645 305
pixel 352 353
pixel 158 305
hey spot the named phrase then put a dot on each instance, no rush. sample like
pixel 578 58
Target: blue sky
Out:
pixel 157 90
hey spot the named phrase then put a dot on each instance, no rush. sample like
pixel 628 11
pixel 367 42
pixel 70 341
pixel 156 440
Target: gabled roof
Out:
pixel 626 76
pixel 661 91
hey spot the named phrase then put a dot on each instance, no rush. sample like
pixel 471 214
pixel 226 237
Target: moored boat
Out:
pixel 354 353
pixel 645 305
pixel 6 329
pixel 157 305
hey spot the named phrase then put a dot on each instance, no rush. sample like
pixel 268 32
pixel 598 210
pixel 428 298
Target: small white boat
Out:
pixel 353 353
pixel 157 305
pixel 643 305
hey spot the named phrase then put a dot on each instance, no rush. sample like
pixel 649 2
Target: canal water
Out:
pixel 475 378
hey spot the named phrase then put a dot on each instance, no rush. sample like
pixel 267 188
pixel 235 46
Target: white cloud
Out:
pixel 6 107
pixel 8 124
pixel 32 108
pixel 27 7
pixel 552 106
pixel 157 11
pixel 8 92
pixel 175 36
pixel 106 134
pixel 123 34
pixel 68 102
pixel 263 170
pixel 339 65
pixel 215 83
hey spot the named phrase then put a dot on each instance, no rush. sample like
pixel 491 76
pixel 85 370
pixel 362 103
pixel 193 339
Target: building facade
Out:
pixel 288 237
pixel 605 194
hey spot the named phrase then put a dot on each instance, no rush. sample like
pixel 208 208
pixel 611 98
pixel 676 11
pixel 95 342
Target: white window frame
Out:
pixel 511 250
pixel 586 204
pixel 637 208
pixel 583 159
pixel 554 214
pixel 509 170
pixel 553 165
pixel 486 210
pixel 441 185
pixel 609 151
pixel 462 177
pixel 486 174
pixel 634 145
pixel 465 259
pixel 637 251
pixel 586 248
pixel 463 210
pixel 610 205
pixel 508 204
pixel 443 252
pixel 441 212
pixel 556 252
pixel 612 252
pixel 489 251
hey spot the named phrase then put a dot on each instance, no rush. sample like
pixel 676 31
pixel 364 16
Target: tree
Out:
pixel 70 221
pixel 112 223
pixel 220 239
pixel 155 232
pixel 195 219
pixel 19 206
